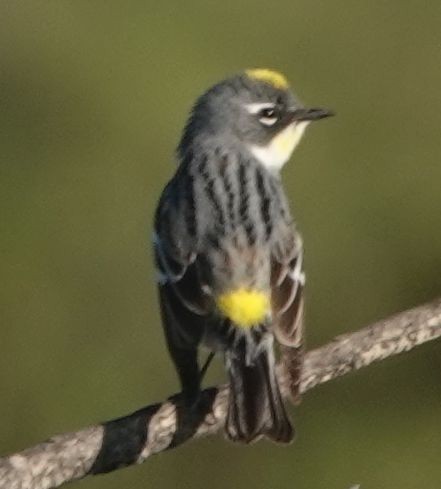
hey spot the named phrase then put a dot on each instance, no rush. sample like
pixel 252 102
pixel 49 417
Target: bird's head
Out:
pixel 254 110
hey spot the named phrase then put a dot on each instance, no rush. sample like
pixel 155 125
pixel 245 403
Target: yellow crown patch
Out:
pixel 244 307
pixel 271 77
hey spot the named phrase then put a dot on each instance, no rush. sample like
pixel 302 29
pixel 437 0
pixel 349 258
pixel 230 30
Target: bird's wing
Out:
pixel 183 297
pixel 288 280
pixel 287 283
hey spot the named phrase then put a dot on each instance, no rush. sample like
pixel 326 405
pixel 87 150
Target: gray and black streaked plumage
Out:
pixel 228 255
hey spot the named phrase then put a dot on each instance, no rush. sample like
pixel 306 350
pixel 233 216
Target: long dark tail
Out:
pixel 255 405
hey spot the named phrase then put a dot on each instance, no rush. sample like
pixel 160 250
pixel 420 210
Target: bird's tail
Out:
pixel 255 404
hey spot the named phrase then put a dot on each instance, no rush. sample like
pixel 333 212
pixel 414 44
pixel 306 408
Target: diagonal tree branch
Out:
pixel 133 438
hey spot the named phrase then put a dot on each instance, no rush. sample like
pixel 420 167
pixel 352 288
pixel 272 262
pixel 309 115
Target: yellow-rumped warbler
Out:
pixel 228 255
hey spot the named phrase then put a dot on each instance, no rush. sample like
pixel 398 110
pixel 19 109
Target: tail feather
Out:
pixel 255 405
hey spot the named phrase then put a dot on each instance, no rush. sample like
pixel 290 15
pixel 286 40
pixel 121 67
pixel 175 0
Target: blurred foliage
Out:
pixel 93 96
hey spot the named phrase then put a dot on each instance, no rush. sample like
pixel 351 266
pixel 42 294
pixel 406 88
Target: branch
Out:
pixel 133 438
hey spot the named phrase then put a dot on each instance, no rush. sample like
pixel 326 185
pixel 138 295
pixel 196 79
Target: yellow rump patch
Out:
pixel 271 77
pixel 244 307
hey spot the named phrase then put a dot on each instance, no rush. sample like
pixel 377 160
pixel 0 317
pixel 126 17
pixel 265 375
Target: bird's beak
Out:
pixel 312 114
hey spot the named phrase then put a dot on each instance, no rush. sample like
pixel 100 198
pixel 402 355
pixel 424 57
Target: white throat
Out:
pixel 278 151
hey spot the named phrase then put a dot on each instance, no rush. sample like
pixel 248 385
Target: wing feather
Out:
pixel 176 255
pixel 287 283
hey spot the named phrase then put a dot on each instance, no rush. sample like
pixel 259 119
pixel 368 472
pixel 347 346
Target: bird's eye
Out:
pixel 269 112
pixel 268 116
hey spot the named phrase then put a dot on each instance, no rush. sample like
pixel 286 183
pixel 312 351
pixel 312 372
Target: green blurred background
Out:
pixel 93 96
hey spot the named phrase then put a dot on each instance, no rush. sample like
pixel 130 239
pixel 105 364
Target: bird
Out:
pixel 228 255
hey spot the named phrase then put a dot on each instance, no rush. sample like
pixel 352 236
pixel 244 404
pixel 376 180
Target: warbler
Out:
pixel 227 251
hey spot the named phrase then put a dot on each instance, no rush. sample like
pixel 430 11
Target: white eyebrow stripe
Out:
pixel 256 107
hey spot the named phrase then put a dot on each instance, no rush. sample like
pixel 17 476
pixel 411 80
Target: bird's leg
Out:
pixel 205 366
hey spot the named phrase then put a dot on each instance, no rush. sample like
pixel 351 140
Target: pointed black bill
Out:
pixel 312 114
